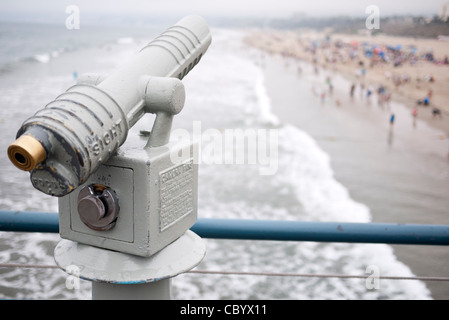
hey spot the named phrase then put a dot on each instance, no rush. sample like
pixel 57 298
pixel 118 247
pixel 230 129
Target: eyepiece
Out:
pixel 26 153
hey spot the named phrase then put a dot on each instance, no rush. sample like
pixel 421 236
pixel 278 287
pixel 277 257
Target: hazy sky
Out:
pixel 241 8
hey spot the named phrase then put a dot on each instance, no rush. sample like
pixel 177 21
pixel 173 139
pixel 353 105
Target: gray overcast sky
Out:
pixel 241 8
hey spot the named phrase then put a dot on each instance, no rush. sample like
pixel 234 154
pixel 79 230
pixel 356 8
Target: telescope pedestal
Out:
pixel 117 275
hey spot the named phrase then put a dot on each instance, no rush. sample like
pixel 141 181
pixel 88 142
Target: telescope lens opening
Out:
pixel 20 158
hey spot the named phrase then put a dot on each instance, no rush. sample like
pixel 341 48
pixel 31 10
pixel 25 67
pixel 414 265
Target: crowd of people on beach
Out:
pixel 339 52
pixel 363 57
pixel 371 55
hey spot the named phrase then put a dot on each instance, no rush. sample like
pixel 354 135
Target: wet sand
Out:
pixel 400 171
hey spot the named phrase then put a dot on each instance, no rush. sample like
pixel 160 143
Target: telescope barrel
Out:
pixel 66 141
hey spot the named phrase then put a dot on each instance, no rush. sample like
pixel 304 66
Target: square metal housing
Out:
pixel 156 194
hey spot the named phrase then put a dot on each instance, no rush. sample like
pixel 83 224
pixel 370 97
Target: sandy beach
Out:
pixel 400 170
pixel 408 69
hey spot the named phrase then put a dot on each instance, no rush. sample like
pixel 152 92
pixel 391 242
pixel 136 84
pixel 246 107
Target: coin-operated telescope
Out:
pixel 128 199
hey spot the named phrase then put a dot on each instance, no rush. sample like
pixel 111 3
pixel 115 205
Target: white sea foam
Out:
pixel 42 58
pixel 266 115
pixel 47 56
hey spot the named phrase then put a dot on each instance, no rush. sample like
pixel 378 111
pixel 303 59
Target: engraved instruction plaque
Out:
pixel 176 193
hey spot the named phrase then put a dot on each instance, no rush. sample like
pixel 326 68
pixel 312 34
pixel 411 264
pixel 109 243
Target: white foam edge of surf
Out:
pixel 47 56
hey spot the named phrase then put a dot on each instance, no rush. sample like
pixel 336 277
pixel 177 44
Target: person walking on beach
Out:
pixel 369 92
pixel 323 96
pixel 415 115
pixel 351 93
pixel 390 132
pixel 329 84
pixel 436 113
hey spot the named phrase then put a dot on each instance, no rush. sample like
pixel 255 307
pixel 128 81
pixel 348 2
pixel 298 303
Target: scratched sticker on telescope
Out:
pixel 176 193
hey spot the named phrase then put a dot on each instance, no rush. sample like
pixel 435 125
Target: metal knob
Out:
pixel 98 207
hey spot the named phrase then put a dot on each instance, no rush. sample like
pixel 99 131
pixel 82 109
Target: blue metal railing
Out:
pixel 388 233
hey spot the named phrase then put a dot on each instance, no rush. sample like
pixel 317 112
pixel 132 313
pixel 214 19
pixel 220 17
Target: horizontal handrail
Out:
pixel 389 233
pixel 29 221
pixel 245 229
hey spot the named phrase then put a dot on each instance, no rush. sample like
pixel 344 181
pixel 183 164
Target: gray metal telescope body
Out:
pixel 83 127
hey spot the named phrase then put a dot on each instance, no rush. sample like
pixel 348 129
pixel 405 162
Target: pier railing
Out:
pixel 275 230
pixel 243 229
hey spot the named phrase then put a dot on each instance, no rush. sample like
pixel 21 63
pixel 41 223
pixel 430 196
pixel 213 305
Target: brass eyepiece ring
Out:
pixel 26 153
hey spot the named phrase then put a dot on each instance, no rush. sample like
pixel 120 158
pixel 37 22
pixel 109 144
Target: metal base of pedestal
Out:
pixel 157 290
pixel 117 275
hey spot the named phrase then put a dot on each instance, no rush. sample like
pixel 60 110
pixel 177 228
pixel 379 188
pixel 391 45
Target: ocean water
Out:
pixel 225 91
